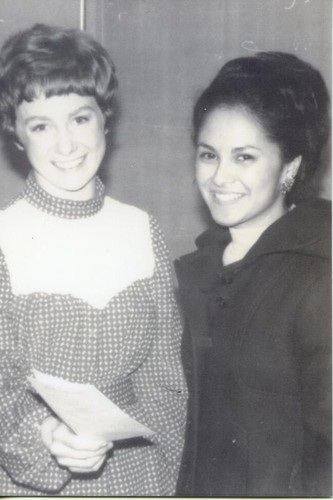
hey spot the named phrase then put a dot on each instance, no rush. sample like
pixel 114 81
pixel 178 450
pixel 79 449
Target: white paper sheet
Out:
pixel 86 410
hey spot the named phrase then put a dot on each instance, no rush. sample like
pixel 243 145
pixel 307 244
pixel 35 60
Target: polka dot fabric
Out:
pixel 129 349
pixel 66 209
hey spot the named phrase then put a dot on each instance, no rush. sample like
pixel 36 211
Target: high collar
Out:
pixel 59 207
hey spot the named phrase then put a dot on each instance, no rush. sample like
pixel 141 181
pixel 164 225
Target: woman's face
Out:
pixel 63 137
pixel 239 170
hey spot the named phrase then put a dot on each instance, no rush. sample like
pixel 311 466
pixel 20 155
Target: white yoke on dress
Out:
pixel 91 258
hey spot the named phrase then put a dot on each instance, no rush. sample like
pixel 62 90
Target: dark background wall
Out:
pixel 166 52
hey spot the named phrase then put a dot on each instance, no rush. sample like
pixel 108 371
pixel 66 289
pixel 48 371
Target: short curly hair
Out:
pixel 287 95
pixel 55 61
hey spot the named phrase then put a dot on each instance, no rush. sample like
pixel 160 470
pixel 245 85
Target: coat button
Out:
pixel 227 280
pixel 221 302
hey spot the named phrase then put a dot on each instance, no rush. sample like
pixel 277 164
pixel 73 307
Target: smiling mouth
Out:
pixel 68 164
pixel 227 197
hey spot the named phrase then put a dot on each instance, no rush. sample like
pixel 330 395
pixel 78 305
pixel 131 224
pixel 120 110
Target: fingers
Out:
pixel 60 450
pixel 82 466
pixel 81 460
pixel 47 428
pixel 80 454
pixel 64 436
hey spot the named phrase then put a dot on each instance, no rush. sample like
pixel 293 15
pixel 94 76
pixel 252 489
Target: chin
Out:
pixel 222 220
pixel 75 184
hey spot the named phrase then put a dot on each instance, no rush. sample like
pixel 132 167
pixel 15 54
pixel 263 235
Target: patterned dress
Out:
pixel 86 294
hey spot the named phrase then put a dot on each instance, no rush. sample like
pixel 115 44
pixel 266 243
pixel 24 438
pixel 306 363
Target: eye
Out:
pixel 207 156
pixel 39 127
pixel 245 158
pixel 81 119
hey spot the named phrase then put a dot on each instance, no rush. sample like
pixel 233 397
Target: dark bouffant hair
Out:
pixel 55 61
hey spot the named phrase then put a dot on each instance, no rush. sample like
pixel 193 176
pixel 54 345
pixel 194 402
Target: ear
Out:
pixel 290 169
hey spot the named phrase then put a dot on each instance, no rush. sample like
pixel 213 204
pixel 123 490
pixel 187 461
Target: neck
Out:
pixel 243 237
pixel 85 193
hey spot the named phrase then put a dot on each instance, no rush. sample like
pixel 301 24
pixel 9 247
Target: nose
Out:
pixel 223 173
pixel 65 143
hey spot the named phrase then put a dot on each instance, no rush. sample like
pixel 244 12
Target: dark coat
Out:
pixel 257 354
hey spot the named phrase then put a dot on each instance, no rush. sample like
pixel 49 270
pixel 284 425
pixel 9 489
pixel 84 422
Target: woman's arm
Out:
pixel 159 383
pixel 22 453
pixel 314 352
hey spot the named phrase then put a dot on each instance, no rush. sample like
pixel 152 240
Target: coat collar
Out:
pixel 305 230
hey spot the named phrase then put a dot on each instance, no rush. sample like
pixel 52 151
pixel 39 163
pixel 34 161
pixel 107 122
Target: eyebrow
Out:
pixel 203 145
pixel 240 148
pixel 47 119
pixel 82 108
pixel 247 146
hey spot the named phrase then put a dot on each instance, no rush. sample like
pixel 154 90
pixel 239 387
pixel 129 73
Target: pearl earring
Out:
pixel 286 185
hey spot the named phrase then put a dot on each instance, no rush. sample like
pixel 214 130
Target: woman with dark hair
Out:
pixel 85 285
pixel 256 292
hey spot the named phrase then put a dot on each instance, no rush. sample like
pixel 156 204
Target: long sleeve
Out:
pixel 23 457
pixel 159 382
pixel 314 350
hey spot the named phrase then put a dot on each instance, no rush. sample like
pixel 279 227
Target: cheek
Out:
pixel 35 150
pixel 95 138
pixel 267 184
pixel 202 173
pixel 100 143
pixel 198 177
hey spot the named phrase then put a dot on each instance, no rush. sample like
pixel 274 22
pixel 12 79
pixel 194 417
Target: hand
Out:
pixel 79 454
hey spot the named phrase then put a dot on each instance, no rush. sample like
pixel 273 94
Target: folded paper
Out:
pixel 86 410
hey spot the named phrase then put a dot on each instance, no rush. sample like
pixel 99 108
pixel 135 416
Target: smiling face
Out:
pixel 239 170
pixel 63 137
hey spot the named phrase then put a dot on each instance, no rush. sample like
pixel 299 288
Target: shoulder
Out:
pixel 311 222
pixel 124 213
pixel 139 228
pixel 305 231
pixel 131 217
pixel 209 248
pixel 126 223
pixel 14 207
pixel 16 216
pixel 134 220
pixel 316 209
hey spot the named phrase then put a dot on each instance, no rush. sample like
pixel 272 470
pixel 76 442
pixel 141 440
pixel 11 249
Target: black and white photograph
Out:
pixel 165 248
